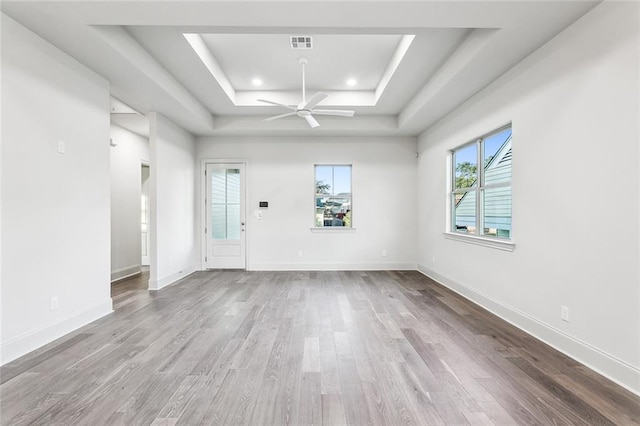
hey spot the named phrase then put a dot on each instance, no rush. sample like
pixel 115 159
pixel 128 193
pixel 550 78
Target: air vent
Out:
pixel 301 42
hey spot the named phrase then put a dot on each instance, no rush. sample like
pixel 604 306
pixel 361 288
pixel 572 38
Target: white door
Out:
pixel 225 210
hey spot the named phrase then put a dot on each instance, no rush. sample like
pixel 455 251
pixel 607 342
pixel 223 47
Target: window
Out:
pixel 333 196
pixel 481 196
pixel 225 204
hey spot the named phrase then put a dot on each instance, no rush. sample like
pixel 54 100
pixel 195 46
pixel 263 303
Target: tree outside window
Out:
pixel 333 196
pixel 481 196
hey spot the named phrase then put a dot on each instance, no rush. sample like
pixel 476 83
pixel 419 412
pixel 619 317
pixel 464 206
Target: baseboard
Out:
pixel 619 371
pixel 332 266
pixel 157 284
pixel 22 345
pixel 129 271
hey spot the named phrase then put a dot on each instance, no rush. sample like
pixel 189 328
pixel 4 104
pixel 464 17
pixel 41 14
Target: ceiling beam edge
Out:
pixel 470 48
pixel 122 43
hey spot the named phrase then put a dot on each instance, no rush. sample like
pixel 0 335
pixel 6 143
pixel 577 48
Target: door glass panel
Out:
pixel 225 204
pixel 233 221
pixel 233 186
pixel 233 204
pixel 218 221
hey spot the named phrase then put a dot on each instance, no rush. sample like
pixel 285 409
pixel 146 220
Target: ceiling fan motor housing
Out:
pixel 306 108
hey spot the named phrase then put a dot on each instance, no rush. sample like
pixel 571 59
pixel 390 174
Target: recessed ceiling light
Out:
pixel 352 82
pixel 256 82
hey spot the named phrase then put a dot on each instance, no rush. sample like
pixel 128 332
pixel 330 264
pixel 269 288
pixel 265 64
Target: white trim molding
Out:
pixel 482 241
pixel 161 283
pixel 333 229
pixel 615 369
pixel 32 340
pixel 127 272
pixel 332 266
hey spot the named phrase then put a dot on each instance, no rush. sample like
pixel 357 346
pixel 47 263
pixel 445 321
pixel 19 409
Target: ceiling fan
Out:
pixel 306 109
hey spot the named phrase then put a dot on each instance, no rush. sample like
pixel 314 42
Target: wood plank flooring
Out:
pixel 129 289
pixel 303 348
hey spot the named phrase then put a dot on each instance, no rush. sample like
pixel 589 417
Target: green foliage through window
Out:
pixel 333 196
pixel 322 187
pixel 465 174
pixel 481 197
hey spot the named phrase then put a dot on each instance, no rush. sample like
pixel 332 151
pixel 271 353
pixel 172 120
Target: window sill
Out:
pixel 482 241
pixel 333 229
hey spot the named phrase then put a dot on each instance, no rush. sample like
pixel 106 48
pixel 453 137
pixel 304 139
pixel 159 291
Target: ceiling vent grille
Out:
pixel 301 42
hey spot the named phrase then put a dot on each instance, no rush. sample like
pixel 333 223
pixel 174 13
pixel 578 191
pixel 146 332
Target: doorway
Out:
pixel 144 215
pixel 225 216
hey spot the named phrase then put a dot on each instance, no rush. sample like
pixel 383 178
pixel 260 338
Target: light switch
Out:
pixel 61 147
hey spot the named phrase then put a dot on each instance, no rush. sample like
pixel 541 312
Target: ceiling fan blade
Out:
pixel 312 121
pixel 287 114
pixel 277 104
pixel 315 100
pixel 338 112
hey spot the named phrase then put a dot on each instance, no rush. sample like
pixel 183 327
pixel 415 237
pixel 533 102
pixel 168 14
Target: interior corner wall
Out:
pixel 55 206
pixel 574 108
pixel 280 170
pixel 173 252
pixel 127 156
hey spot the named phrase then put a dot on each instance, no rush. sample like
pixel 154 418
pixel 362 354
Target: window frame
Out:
pixel 479 187
pixel 332 228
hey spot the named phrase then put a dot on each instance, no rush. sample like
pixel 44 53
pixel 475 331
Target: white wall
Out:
pixel 574 108
pixel 126 162
pixel 173 209
pixel 55 207
pixel 281 171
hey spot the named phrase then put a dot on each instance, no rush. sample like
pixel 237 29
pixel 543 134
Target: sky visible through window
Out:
pixel 338 177
pixel 491 146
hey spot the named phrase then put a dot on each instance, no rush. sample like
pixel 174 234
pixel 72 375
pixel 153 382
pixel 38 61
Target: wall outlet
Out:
pixel 384 253
pixel 299 253
pixel 564 313
pixel 54 303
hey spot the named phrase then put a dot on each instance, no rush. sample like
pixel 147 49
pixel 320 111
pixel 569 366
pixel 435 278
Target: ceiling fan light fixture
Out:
pixel 307 107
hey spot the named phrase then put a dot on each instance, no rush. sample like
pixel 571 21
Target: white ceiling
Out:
pixel 402 88
pixel 268 56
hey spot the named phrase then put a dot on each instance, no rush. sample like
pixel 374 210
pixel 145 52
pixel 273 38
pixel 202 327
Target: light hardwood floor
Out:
pixel 301 348
pixel 130 289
